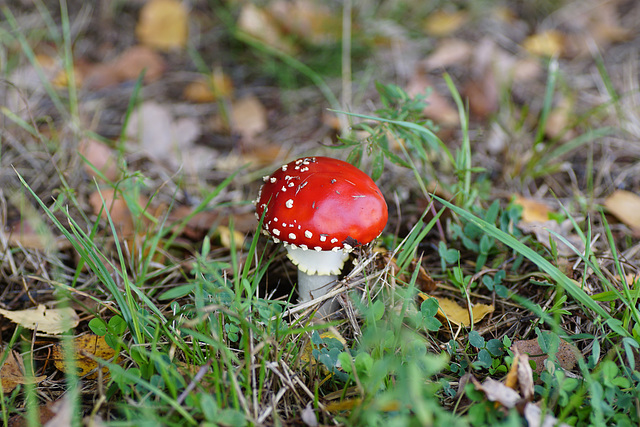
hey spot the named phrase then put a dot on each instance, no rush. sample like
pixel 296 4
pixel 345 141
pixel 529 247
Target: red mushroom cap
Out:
pixel 322 204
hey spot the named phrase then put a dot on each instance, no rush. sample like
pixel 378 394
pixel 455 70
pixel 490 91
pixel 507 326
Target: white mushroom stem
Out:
pixel 317 271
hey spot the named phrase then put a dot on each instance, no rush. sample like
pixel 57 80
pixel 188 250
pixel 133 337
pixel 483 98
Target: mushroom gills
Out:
pixel 313 262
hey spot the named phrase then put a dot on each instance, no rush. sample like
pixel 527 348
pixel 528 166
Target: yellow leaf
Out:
pixel 217 85
pixel 625 206
pixel 307 353
pixel 163 24
pixel 225 236
pixel 456 314
pixel 84 346
pixel 533 210
pixel 47 320
pixel 12 372
pixel 547 43
pixel 442 23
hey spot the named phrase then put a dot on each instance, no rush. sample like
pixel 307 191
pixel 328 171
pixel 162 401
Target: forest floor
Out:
pixel 135 288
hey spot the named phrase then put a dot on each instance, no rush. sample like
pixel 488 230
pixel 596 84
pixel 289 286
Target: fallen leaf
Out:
pixel 625 206
pixel 309 20
pixel 225 237
pixel 249 117
pixel 443 23
pixel 100 157
pixel 566 355
pixel 126 66
pixel 12 372
pixel 85 347
pixel 456 314
pixel 162 136
pixel 130 63
pixel 259 23
pixel 449 52
pixel 533 415
pixel 439 108
pixel 117 209
pixel 163 24
pixel 308 416
pixel 548 43
pixel 520 376
pixel 306 356
pixel 47 320
pixel 533 211
pixel 495 391
pixel 559 119
pixel 482 94
pixel 209 88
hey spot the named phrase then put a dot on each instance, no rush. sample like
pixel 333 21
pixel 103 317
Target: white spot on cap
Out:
pixel 304 247
pixel 348 247
pixel 292 236
pixel 323 237
pixel 308 234
pixel 284 189
pixel 274 220
pixel 266 178
pixel 284 168
pixel 289 203
pixel 318 248
pixel 273 180
pixel 276 231
pixel 291 184
pixel 334 240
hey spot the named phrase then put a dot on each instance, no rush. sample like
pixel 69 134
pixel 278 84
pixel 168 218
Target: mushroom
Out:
pixel 321 209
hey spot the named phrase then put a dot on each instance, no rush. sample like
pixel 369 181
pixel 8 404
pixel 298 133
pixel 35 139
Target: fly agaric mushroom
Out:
pixel 321 209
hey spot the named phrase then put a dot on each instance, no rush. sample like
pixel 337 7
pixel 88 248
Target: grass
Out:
pixel 206 331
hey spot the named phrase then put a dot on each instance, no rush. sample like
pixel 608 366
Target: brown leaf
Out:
pixel 84 347
pixel 482 94
pixel 249 117
pixel 47 320
pixel 439 108
pixel 566 355
pixel 163 24
pixel 12 372
pixel 449 52
pixel 209 88
pixel 134 60
pixel 117 208
pixel 310 20
pixel 101 157
pixel 625 206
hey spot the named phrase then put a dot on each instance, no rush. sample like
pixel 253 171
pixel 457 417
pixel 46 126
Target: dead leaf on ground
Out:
pixel 85 347
pixel 209 88
pixel 249 117
pixel 23 234
pixel 449 52
pixel 533 210
pixel 566 355
pixel 163 24
pixel 12 372
pixel 458 315
pixel 520 376
pixel 260 24
pixel 47 320
pixel 164 137
pixel 309 20
pixel 101 157
pixel 548 43
pixel 439 108
pixel 117 209
pixel 443 23
pixel 625 206
pixel 559 119
pixel 306 356
pixel 495 391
